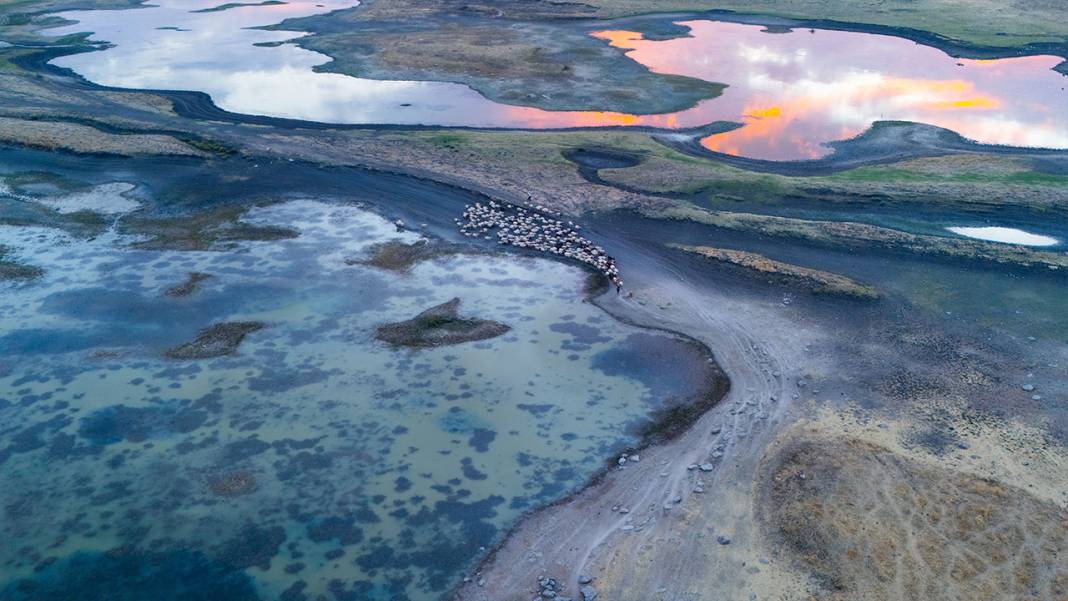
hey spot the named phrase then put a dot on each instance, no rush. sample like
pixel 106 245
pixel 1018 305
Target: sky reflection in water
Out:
pixel 793 91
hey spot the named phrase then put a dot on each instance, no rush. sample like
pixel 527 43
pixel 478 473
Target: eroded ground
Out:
pixel 910 446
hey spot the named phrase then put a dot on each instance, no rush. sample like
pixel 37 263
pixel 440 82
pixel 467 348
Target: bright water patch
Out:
pixel 106 199
pixel 1008 235
pixel 794 91
pixel 315 460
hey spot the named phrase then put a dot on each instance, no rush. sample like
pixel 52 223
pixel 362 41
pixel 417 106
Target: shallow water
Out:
pixel 315 460
pixel 1009 235
pixel 793 91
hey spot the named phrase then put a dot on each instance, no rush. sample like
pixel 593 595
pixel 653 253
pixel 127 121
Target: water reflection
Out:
pixel 794 91
pixel 797 90
pixel 1009 235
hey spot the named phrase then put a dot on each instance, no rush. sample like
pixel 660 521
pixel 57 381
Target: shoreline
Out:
pixel 585 518
pixel 707 399
pixel 199 106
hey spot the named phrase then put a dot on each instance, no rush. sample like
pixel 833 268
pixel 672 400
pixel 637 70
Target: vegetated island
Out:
pixel 440 325
pixel 216 340
pixel 400 257
pixel 813 280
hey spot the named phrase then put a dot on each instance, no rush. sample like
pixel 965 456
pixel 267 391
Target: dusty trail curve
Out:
pixel 585 534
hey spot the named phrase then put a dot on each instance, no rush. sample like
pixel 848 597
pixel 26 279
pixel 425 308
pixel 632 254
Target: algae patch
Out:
pixel 13 270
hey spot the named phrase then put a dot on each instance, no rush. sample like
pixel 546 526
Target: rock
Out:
pixel 1028 387
pixel 481 582
pixel 691 467
pixel 585 578
pixel 723 540
pixel 716 430
pixel 588 593
pixel 622 461
pixel 698 489
pixel 1036 397
pixel 634 458
pixel 707 467
pixel 624 510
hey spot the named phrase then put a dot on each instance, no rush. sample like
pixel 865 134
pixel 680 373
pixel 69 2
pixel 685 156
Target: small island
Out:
pixel 440 325
pixel 216 340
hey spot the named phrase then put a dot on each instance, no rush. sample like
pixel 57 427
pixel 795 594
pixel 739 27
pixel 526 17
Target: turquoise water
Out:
pixel 315 460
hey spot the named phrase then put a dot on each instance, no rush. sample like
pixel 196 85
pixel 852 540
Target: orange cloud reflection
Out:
pixel 795 92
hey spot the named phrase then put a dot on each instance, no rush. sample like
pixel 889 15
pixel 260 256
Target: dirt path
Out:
pixel 614 531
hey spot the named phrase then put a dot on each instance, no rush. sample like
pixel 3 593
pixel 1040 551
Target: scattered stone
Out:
pixel 634 458
pixel 723 540
pixel 707 467
pixel 585 578
pixel 691 467
pixel 588 593
pixel 1028 387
